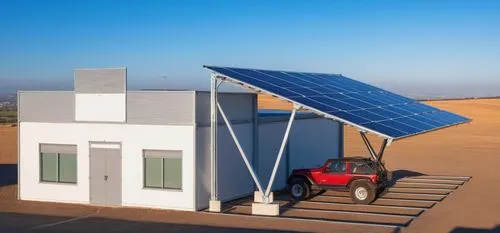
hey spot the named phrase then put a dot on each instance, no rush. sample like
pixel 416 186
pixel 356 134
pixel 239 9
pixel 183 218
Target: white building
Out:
pixel 103 145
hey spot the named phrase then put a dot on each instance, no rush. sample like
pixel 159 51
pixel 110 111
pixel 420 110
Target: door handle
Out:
pixel 105 177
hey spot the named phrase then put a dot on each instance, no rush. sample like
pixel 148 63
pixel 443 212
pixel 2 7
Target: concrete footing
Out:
pixel 214 206
pixel 271 209
pixel 259 197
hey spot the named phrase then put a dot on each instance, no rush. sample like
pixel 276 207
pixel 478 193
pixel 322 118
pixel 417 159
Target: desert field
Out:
pixel 466 150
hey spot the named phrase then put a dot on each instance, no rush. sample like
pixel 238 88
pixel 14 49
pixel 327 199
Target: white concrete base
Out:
pixel 214 206
pixel 271 209
pixel 258 197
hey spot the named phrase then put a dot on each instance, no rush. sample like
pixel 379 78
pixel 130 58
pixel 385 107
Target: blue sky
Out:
pixel 414 47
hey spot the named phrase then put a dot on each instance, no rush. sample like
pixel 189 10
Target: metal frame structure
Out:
pixel 215 107
pixel 375 156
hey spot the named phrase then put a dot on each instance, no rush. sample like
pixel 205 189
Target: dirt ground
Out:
pixel 8 144
pixel 466 150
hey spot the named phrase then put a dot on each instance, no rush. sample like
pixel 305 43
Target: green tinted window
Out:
pixel 58 163
pixel 172 173
pixel 48 167
pixel 163 169
pixel 153 172
pixel 67 168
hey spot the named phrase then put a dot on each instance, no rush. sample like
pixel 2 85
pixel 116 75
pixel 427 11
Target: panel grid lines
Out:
pixel 352 102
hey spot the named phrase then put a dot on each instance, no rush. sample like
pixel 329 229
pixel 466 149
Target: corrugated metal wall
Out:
pixel 160 107
pixel 100 80
pixel 46 106
pixel 237 107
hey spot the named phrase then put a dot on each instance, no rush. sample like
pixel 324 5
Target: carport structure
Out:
pixel 365 107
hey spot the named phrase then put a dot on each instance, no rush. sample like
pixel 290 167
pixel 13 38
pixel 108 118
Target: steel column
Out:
pixel 382 149
pixel 369 146
pixel 242 153
pixel 213 138
pixel 341 140
pixel 280 154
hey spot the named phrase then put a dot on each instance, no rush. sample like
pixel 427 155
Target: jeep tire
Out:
pixel 362 192
pixel 299 189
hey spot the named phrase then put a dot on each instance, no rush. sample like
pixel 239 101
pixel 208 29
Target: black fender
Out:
pixel 359 178
pixel 304 177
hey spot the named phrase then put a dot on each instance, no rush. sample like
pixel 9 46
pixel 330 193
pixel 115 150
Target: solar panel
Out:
pixel 349 101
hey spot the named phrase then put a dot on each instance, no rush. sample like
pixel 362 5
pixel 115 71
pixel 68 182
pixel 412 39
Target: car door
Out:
pixel 335 174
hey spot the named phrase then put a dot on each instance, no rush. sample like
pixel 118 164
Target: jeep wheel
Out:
pixel 362 192
pixel 299 189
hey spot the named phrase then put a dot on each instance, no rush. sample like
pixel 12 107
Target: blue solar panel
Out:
pixel 347 100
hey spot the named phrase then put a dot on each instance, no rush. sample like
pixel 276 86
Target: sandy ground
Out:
pixel 8 144
pixel 466 150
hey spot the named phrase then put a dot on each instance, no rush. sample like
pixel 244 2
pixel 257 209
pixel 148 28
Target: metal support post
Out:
pixel 213 139
pixel 280 153
pixel 341 140
pixel 242 153
pixel 382 149
pixel 369 146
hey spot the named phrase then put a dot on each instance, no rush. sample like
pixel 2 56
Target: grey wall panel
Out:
pixel 158 107
pixel 234 180
pixel 174 154
pixel 58 148
pixel 46 106
pixel 312 141
pixel 100 80
pixel 270 138
pixel 237 106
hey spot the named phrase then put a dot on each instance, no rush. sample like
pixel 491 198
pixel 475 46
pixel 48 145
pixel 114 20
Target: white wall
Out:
pixel 134 139
pixel 100 107
pixel 312 141
pixel 234 179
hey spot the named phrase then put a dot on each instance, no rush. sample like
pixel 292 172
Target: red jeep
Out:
pixel 362 177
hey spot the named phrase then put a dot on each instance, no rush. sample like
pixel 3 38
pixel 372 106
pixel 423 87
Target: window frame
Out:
pixel 337 172
pixel 162 174
pixel 58 164
pixel 354 165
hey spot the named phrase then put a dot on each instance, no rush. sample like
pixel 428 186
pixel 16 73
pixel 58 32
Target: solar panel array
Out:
pixel 347 100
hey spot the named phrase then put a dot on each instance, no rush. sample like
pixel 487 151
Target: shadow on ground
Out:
pixel 8 174
pixel 16 222
pixel 400 174
pixel 476 230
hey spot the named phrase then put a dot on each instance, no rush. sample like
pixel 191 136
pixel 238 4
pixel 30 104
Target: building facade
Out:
pixel 102 144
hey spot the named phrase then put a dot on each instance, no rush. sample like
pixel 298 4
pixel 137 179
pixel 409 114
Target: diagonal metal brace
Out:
pixel 280 154
pixel 368 146
pixel 242 152
pixel 375 156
